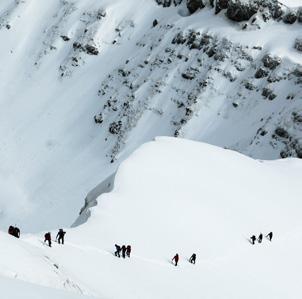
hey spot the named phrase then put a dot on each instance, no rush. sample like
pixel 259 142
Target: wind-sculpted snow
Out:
pixel 178 196
pixel 84 83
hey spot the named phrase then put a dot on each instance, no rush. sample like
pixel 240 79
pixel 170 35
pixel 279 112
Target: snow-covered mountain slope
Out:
pixel 170 196
pixel 15 289
pixel 199 76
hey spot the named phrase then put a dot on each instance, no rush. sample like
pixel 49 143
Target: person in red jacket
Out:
pixel 176 259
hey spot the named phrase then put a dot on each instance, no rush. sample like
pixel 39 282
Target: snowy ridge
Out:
pixel 85 83
pixel 173 195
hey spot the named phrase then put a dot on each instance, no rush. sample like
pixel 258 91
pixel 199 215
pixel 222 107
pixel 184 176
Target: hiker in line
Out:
pixel 175 259
pixel 128 250
pixel 118 250
pixel 253 239
pixel 60 236
pixel 270 236
pixel 260 238
pixel 124 249
pixel 192 259
pixel 47 238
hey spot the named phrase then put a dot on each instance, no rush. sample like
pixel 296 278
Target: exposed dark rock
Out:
pixel 115 127
pixel 179 39
pixel 194 5
pixel 91 50
pixel 290 17
pixel 98 119
pixel 271 62
pixel 297 118
pixel 123 73
pixel 282 133
pixel 235 105
pixel 220 5
pixel 65 38
pixel 268 93
pixel 248 85
pixel 298 44
pixel 155 23
pixel 8 26
pixel 299 15
pixel 78 46
pixel 241 11
pixel 262 132
pixel 298 71
pixel 168 3
pixel 188 75
pixel 261 73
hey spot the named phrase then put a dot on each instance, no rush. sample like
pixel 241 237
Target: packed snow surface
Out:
pixel 292 3
pixel 15 289
pixel 178 196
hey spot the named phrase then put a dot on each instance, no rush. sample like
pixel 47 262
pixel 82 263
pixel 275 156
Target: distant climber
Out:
pixel 176 259
pixel 124 249
pixel 192 259
pixel 260 238
pixel 128 250
pixel 270 236
pixel 60 236
pixel 253 239
pixel 14 231
pixel 118 250
pixel 47 238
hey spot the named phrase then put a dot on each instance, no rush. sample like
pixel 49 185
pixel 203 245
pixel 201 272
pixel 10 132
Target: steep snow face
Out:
pixel 84 83
pixel 176 196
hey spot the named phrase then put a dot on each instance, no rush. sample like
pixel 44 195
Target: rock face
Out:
pixel 194 5
pixel 168 3
pixel 298 44
pixel 241 11
pixel 299 15
pixel 271 62
pixel 220 5
pixel 290 17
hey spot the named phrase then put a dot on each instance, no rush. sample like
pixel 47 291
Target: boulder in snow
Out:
pixel 194 5
pixel 271 62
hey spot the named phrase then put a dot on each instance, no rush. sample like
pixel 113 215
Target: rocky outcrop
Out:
pixel 241 11
pixel 290 17
pixel 298 44
pixel 194 5
pixel 271 62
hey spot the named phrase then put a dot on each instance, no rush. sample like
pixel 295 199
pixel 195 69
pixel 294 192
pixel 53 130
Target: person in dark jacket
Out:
pixel 128 250
pixel 192 259
pixel 270 236
pixel 60 236
pixel 253 239
pixel 124 249
pixel 47 238
pixel 118 250
pixel 176 259
pixel 260 238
